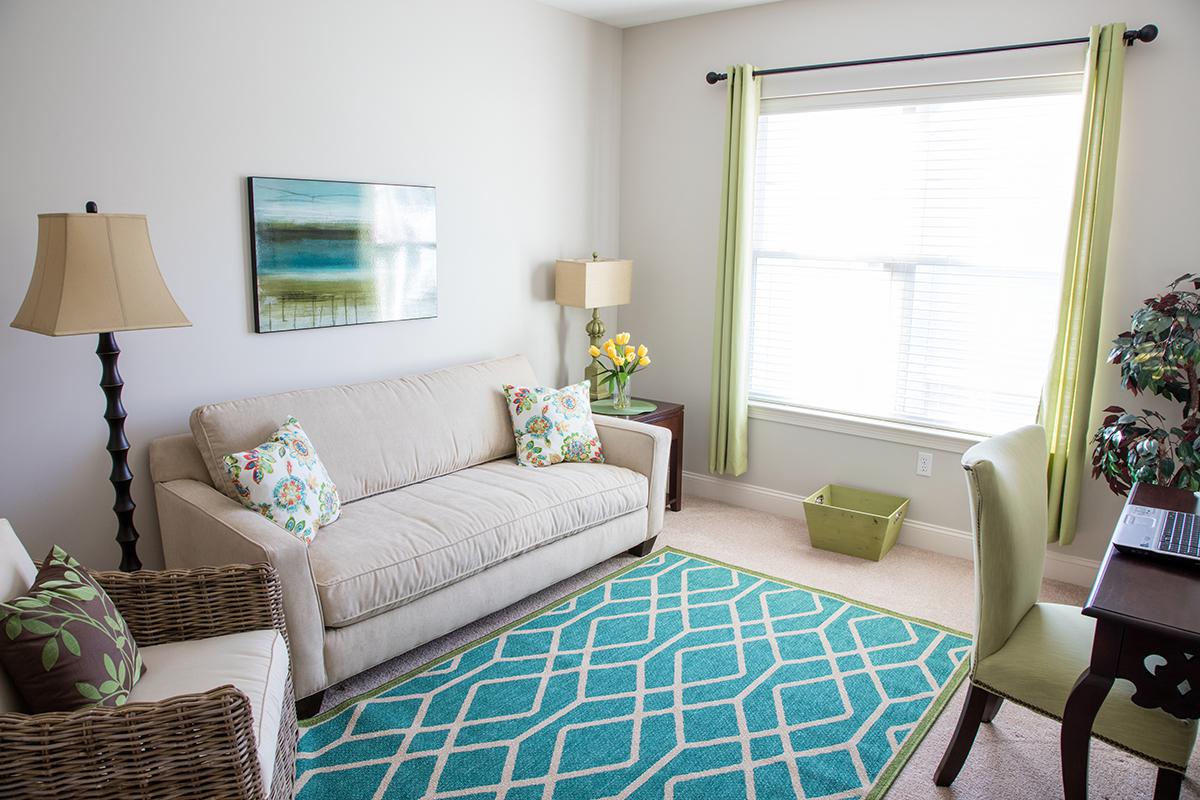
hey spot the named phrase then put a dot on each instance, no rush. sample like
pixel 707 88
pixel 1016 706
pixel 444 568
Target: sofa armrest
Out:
pixel 642 448
pixel 202 527
pixel 178 605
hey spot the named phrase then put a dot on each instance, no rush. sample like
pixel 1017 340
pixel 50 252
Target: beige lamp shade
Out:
pixel 96 273
pixel 587 283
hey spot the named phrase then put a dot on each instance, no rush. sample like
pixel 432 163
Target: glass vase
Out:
pixel 622 395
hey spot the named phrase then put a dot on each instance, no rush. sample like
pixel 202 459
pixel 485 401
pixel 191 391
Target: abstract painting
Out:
pixel 329 253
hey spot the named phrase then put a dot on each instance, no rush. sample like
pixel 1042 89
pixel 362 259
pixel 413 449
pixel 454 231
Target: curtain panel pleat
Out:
pixel 728 422
pixel 1066 405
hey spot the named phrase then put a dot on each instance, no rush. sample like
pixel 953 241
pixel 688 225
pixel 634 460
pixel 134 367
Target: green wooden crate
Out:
pixel 855 522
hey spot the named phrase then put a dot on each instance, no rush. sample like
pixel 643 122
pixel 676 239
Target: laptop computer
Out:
pixel 1156 531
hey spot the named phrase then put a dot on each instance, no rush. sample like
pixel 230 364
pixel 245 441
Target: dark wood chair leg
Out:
pixel 964 735
pixel 643 549
pixel 1168 785
pixel 992 708
pixel 309 706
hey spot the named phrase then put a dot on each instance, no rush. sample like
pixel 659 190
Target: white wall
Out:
pixel 672 127
pixel 510 108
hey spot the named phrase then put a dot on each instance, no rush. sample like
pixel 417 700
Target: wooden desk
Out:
pixel 669 416
pixel 1143 607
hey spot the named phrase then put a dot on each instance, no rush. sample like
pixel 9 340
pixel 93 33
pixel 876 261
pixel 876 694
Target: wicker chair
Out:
pixel 191 746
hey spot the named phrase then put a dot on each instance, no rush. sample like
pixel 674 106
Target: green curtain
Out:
pixel 1067 400
pixel 730 374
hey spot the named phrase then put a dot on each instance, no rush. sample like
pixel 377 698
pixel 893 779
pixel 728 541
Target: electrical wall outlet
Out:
pixel 925 464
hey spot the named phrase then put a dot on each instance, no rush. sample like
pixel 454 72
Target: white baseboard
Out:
pixel 914 533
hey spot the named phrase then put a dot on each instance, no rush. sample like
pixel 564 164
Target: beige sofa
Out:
pixel 439 524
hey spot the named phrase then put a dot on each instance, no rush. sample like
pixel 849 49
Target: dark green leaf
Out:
pixel 81 593
pixel 49 654
pixel 88 691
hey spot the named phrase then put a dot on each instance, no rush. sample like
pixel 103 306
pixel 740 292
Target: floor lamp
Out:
pixel 96 273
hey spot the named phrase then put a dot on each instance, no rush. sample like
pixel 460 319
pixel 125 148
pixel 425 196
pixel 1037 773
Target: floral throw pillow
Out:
pixel 553 425
pixel 64 644
pixel 285 481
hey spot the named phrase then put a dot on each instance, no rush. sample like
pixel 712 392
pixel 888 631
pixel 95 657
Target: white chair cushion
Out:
pixel 17 572
pixel 392 548
pixel 256 662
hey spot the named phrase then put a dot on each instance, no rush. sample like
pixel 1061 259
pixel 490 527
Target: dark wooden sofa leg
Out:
pixel 643 549
pixel 1168 785
pixel 964 735
pixel 992 707
pixel 309 706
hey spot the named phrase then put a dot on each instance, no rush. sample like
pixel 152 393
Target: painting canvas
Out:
pixel 329 253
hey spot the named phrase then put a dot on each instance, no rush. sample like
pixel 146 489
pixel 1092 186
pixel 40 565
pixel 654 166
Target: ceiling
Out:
pixel 627 13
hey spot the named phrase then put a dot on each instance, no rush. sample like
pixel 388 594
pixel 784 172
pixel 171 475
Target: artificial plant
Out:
pixel 1157 355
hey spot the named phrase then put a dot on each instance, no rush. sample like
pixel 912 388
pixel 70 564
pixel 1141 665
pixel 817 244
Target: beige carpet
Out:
pixel 1014 758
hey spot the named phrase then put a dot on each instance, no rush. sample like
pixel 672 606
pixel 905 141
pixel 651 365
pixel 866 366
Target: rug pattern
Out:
pixel 676 678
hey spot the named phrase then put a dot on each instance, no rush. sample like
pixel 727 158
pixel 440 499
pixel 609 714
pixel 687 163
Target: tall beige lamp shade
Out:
pixel 96 273
pixel 593 283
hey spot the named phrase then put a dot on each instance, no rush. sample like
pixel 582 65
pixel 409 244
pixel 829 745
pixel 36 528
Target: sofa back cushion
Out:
pixel 379 436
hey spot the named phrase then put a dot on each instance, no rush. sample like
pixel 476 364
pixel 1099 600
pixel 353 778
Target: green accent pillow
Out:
pixel 64 644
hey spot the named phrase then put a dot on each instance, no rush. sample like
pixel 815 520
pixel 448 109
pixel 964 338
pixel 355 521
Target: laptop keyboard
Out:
pixel 1181 534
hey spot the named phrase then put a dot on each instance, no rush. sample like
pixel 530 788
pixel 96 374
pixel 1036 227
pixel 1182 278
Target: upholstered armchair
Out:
pixel 212 717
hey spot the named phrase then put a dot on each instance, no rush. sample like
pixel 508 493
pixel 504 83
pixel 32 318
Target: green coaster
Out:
pixel 636 407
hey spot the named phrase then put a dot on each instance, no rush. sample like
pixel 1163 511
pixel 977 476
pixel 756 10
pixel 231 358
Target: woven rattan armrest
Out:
pixel 191 746
pixel 177 605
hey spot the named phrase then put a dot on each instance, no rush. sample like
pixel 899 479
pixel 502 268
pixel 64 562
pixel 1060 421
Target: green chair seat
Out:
pixel 1039 664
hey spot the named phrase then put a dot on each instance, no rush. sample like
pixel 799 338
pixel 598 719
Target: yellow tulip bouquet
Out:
pixel 624 360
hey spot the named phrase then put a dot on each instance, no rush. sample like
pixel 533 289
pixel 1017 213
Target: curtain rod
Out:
pixel 1146 33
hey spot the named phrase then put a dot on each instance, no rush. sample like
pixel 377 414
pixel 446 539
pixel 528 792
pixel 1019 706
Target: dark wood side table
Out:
pixel 1143 607
pixel 669 416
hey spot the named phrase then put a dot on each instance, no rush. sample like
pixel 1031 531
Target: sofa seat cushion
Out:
pixel 390 549
pixel 254 662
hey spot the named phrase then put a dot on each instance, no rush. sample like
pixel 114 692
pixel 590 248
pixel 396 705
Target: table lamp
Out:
pixel 593 283
pixel 96 273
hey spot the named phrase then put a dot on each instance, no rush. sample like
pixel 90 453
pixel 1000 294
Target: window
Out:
pixel 908 249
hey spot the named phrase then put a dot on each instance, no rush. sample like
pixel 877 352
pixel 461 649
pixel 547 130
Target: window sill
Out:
pixel 865 427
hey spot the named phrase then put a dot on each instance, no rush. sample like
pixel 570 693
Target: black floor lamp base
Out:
pixel 118 449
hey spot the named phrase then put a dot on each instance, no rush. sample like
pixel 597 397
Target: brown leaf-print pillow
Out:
pixel 64 645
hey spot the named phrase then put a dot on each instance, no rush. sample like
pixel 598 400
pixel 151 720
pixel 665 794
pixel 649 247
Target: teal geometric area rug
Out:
pixel 676 677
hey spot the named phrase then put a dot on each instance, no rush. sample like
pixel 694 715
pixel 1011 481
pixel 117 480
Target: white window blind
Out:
pixel 908 248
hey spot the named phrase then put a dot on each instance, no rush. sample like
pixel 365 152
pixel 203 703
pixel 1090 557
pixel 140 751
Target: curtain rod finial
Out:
pixel 713 77
pixel 1146 33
